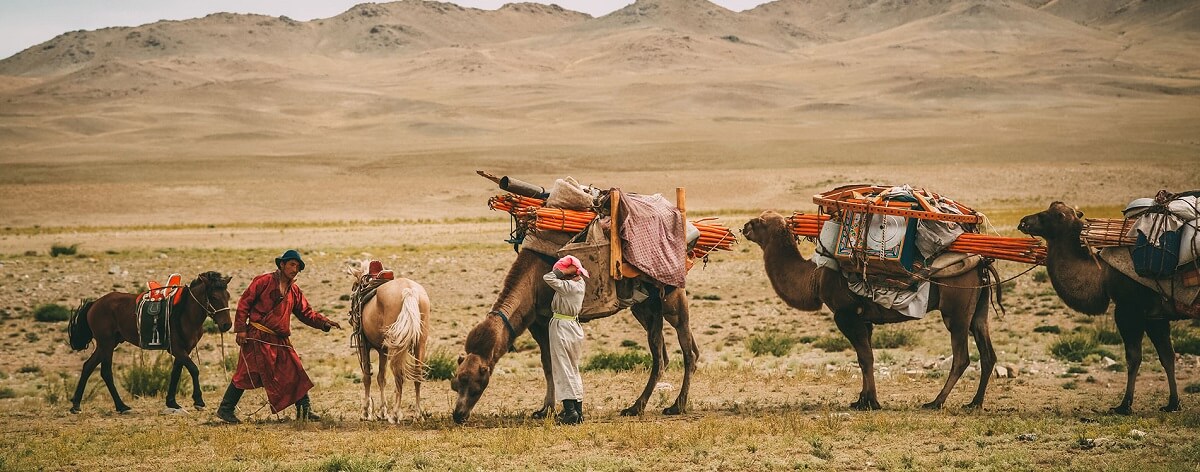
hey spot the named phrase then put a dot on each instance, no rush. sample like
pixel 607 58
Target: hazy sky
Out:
pixel 24 23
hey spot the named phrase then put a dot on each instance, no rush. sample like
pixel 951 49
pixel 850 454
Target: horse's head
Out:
pixel 1059 220
pixel 215 300
pixel 470 380
pixel 758 229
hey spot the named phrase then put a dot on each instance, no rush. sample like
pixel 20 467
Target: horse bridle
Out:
pixel 209 311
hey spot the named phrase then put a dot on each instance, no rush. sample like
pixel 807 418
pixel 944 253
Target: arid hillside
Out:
pixel 1036 100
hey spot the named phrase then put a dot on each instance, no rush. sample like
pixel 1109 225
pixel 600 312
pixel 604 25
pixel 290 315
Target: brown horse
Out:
pixel 110 320
pixel 394 324
pixel 524 304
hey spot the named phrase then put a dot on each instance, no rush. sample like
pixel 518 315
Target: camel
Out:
pixel 524 304
pixel 1086 284
pixel 962 299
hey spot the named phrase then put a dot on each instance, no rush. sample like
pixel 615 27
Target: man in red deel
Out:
pixel 263 326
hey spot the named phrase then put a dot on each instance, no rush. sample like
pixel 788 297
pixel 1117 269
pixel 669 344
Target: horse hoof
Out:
pixel 672 410
pixel 74 410
pixel 932 406
pixel 1121 410
pixel 174 411
pixel 631 411
pixel 1170 408
pixel 125 411
pixel 539 414
pixel 199 406
pixel 864 405
pixel 973 406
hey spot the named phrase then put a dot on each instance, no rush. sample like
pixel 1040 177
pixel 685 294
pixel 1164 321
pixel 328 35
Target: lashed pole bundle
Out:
pixel 1107 232
pixel 1027 250
pixel 713 237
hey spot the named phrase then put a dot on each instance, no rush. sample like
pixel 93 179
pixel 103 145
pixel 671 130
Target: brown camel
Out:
pixel 524 304
pixel 1086 284
pixel 803 285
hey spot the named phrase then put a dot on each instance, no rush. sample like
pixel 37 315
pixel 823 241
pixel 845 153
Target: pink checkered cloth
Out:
pixel 652 237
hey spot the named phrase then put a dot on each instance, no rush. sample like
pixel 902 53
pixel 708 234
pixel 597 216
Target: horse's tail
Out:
pixel 403 337
pixel 78 331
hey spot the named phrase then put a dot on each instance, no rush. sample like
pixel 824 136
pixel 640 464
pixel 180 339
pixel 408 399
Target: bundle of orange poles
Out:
pixel 713 237
pixel 1026 250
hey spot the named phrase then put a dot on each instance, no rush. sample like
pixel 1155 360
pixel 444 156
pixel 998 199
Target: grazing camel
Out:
pixel 524 304
pixel 1086 284
pixel 963 301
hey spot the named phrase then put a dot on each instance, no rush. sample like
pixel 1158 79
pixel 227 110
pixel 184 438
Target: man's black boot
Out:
pixel 579 409
pixel 569 414
pixel 227 411
pixel 304 410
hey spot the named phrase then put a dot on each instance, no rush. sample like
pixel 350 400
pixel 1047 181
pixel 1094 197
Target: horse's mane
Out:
pixel 213 279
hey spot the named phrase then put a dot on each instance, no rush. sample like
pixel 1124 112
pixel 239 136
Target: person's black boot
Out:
pixel 569 414
pixel 304 410
pixel 579 409
pixel 227 411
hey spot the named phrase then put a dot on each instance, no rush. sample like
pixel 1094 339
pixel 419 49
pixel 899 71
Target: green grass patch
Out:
pixel 7 392
pixel 832 343
pixel 1052 329
pixel 61 250
pixel 1185 341
pixel 342 463
pixel 52 313
pixel 1076 347
pixel 774 343
pixel 618 361
pixel 149 380
pixel 891 339
pixel 441 366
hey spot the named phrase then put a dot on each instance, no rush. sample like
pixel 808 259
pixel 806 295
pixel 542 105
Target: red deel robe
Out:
pixel 268 360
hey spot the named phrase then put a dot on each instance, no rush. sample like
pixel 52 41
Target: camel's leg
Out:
pixel 1131 326
pixel 541 334
pixel 687 344
pixel 859 333
pixel 106 372
pixel 173 383
pixel 983 341
pixel 957 323
pixel 89 366
pixel 1159 332
pixel 649 314
pixel 364 365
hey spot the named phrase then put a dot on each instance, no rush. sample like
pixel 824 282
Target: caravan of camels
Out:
pixel 882 255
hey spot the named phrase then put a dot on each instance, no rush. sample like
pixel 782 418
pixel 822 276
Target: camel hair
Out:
pixel 1086 284
pixel 963 301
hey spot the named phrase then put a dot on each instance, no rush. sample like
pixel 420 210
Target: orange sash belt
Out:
pixel 261 327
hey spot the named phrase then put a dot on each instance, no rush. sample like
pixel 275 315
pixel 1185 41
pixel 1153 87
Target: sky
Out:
pixel 24 23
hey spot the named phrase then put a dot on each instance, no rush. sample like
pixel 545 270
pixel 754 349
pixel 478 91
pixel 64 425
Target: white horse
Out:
pixel 395 323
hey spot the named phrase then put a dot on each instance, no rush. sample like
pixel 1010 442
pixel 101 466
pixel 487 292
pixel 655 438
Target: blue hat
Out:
pixel 290 254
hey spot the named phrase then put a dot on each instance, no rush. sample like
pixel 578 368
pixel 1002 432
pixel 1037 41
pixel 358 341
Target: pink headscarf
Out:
pixel 569 261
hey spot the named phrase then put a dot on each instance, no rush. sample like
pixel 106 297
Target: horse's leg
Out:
pixel 687 344
pixel 541 334
pixel 197 396
pixel 88 367
pixel 651 319
pixel 858 332
pixel 381 378
pixel 956 321
pixel 364 364
pixel 983 341
pixel 1131 326
pixel 1159 332
pixel 398 377
pixel 417 376
pixel 106 372
pixel 173 384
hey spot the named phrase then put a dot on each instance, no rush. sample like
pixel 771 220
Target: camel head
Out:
pixel 760 229
pixel 1057 221
pixel 470 380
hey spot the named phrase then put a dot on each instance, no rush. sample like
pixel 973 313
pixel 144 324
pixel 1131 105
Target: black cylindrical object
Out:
pixel 522 188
